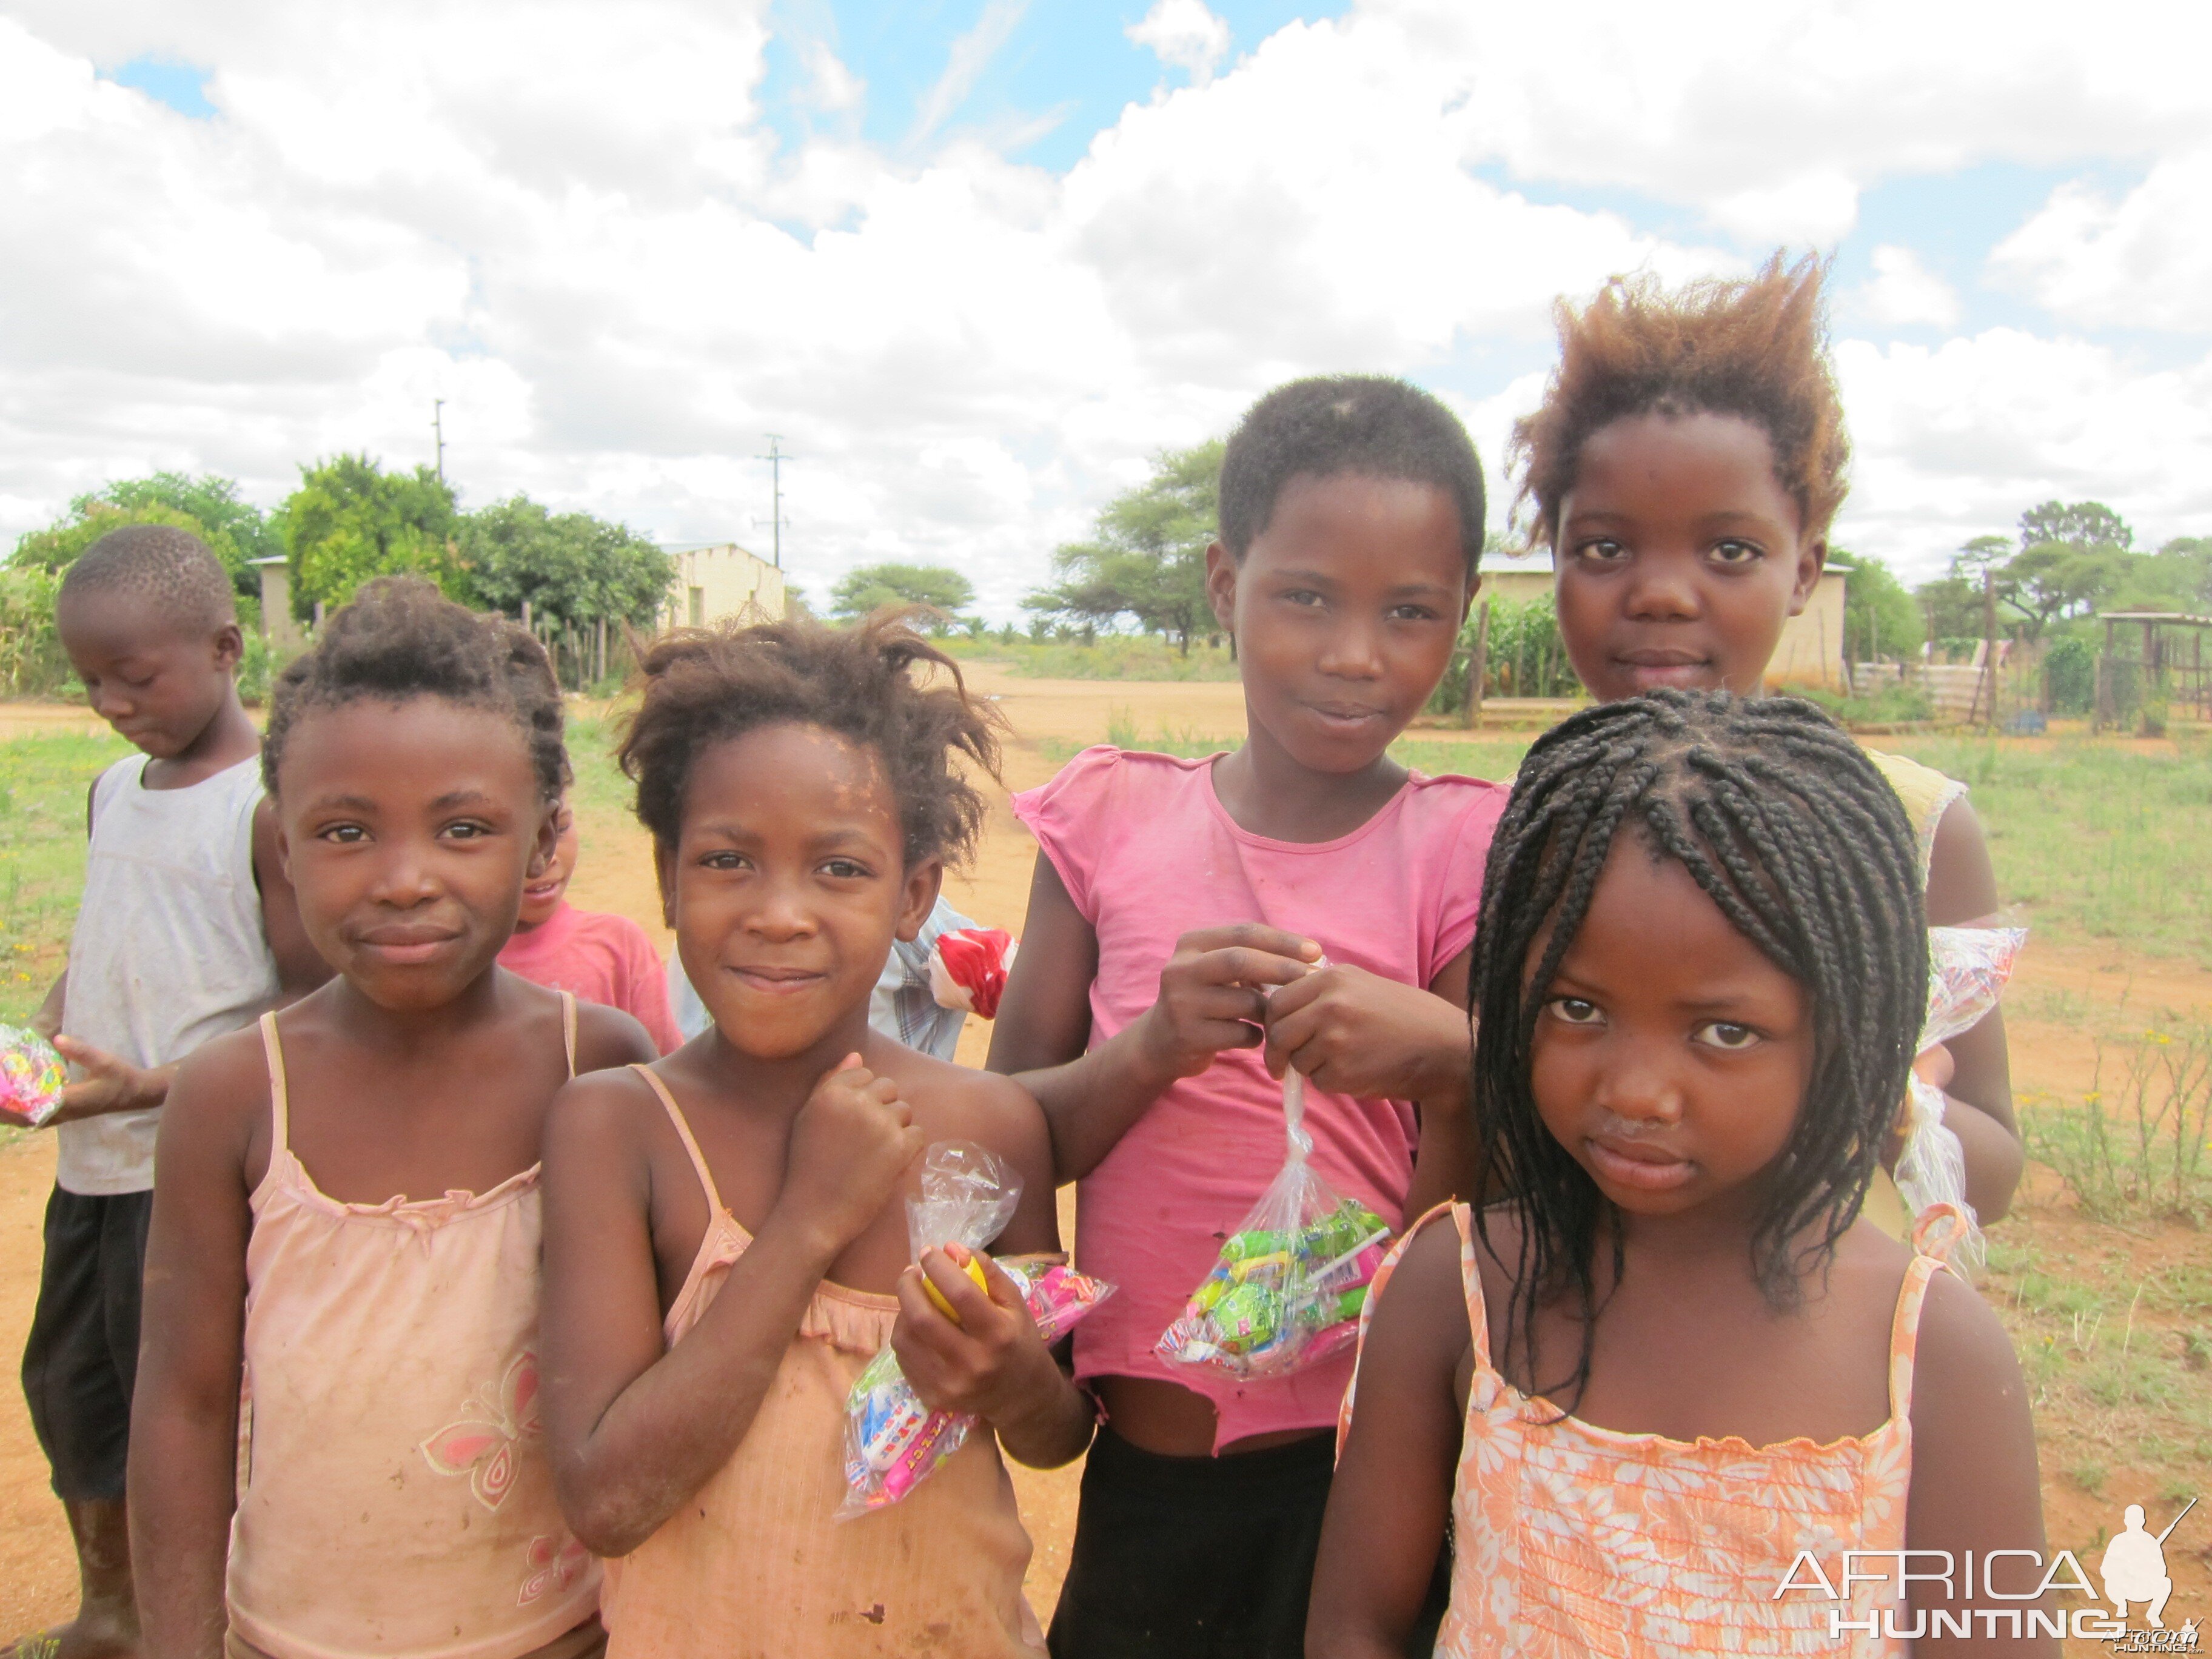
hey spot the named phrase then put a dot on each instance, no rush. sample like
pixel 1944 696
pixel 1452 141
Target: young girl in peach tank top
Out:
pixel 726 1245
pixel 1660 1390
pixel 346 1215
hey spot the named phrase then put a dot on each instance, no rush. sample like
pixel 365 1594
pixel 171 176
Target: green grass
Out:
pixel 2093 841
pixel 1140 657
pixel 43 783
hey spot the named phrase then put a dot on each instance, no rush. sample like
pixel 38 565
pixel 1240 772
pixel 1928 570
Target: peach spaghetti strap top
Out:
pixel 397 1501
pixel 752 1564
pixel 1572 1539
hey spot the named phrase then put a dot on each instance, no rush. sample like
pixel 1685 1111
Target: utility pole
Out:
pixel 775 458
pixel 438 426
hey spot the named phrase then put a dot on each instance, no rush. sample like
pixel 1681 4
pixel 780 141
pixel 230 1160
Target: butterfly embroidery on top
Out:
pixel 554 1563
pixel 481 1442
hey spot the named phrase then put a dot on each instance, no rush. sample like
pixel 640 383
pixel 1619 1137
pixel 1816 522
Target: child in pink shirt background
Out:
pixel 1196 927
pixel 600 956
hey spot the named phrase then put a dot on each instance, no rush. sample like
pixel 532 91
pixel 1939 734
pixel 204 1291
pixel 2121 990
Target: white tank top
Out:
pixel 168 948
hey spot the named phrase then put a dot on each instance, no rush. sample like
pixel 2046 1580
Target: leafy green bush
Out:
pixel 31 662
pixel 2070 675
pixel 1523 656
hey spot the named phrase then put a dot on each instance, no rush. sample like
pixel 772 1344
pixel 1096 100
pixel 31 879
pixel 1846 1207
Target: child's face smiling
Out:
pixel 1680 554
pixel 1670 1056
pixel 408 830
pixel 157 683
pixel 788 884
pixel 1345 609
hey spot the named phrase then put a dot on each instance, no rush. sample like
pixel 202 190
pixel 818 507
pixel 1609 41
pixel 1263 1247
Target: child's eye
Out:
pixel 1727 1035
pixel 1603 550
pixel 1302 596
pixel 1733 552
pixel 345 833
pixel 1413 613
pixel 722 861
pixel 845 870
pixel 467 830
pixel 1574 1010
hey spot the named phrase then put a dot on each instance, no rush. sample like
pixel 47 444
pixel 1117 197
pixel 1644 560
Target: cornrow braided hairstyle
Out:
pixel 869 683
pixel 400 638
pixel 1789 829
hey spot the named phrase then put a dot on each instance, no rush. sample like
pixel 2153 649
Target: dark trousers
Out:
pixel 82 1361
pixel 1193 1558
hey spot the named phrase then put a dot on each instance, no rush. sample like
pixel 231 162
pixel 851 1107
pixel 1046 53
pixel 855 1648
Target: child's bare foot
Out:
pixel 85 1636
pixel 106 1622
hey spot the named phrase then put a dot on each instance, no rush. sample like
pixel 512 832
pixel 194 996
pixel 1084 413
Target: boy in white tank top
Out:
pixel 186 929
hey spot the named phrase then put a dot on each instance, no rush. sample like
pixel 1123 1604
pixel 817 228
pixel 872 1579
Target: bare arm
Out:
pixel 184 1423
pixel 1211 998
pixel 1387 1509
pixel 634 1429
pixel 992 1362
pixel 1974 1481
pixel 299 970
pixel 1962 888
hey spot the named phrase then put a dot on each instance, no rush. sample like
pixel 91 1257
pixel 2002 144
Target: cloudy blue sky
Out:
pixel 975 260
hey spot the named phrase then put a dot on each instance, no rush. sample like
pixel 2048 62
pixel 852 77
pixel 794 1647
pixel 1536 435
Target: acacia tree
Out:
pixel 872 586
pixel 1879 616
pixel 1146 559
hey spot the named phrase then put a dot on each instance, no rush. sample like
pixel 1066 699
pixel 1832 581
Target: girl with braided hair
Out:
pixel 1684 468
pixel 1676 1358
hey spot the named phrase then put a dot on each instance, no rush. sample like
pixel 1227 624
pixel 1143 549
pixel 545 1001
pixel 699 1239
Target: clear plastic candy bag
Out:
pixel 32 1075
pixel 1967 967
pixel 892 1441
pixel 1286 1290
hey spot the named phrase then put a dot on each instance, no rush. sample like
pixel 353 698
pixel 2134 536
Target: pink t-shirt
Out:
pixel 602 958
pixel 1148 853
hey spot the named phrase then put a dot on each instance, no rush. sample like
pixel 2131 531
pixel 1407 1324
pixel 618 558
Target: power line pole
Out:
pixel 775 458
pixel 438 426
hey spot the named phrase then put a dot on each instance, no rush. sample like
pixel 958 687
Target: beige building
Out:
pixel 1811 651
pixel 718 580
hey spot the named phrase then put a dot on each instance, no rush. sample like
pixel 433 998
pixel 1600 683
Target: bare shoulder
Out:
pixel 607 1037
pixel 1962 881
pixel 956 1103
pixel 219 1104
pixel 1963 1353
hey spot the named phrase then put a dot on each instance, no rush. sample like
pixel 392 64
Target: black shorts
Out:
pixel 1193 1558
pixel 83 1356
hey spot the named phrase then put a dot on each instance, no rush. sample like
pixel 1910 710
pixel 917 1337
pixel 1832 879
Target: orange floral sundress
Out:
pixel 1572 1539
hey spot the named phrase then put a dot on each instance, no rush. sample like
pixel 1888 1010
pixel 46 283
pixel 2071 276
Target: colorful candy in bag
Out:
pixel 892 1441
pixel 1967 967
pixel 32 1076
pixel 1287 1288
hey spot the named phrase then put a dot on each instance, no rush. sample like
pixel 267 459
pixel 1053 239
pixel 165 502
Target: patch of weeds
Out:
pixel 2143 1149
pixel 2130 1379
pixel 2090 1477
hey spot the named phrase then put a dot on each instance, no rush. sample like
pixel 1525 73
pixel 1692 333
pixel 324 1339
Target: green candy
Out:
pixel 1239 1247
pixel 1248 1317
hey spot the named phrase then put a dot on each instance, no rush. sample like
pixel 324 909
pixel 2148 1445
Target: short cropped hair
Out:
pixel 172 569
pixel 1369 425
pixel 703 686
pixel 401 639
pixel 1757 349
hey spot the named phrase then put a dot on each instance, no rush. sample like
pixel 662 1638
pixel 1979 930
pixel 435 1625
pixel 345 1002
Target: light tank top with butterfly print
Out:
pixel 397 1500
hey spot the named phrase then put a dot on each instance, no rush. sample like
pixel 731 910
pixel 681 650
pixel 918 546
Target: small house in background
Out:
pixel 277 626
pixel 1811 650
pixel 719 580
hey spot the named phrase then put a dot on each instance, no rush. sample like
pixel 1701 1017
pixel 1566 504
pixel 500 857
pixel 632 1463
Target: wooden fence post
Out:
pixel 1478 664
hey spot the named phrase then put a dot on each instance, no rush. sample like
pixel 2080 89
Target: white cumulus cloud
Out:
pixel 1184 34
pixel 1903 290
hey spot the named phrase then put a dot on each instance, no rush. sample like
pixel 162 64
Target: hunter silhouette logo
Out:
pixel 2134 1567
pixel 1999 1593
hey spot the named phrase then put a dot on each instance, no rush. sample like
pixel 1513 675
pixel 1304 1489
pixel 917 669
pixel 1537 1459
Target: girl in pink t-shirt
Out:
pixel 1306 893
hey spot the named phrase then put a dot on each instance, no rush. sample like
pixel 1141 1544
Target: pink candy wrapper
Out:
pixel 32 1075
pixel 892 1441
pixel 1967 967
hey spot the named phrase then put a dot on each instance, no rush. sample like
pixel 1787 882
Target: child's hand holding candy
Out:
pixel 987 1359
